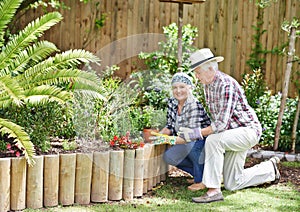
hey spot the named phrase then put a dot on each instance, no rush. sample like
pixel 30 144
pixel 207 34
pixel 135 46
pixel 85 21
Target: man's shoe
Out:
pixel 196 187
pixel 207 199
pixel 275 161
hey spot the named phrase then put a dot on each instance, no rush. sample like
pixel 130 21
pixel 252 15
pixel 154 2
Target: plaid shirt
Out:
pixel 228 105
pixel 192 115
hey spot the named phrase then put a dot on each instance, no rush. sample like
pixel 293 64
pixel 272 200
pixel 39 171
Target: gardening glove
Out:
pixel 163 140
pixel 190 134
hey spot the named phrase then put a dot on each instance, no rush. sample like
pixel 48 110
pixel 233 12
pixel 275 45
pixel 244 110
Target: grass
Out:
pixel 173 196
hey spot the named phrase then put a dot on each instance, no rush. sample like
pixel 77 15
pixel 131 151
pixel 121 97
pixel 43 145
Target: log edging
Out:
pixel 80 178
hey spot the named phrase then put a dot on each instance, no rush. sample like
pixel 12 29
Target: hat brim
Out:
pixel 218 59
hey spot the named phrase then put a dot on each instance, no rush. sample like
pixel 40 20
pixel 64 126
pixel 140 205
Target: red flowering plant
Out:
pixel 124 142
pixel 14 150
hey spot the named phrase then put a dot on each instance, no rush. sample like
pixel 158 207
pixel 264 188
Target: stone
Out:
pixel 257 154
pixel 251 152
pixel 290 157
pixel 268 154
pixel 280 155
pixel 298 157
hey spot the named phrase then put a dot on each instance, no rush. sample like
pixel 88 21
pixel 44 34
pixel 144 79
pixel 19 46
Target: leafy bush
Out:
pixel 165 59
pixel 153 88
pixel 42 122
pixel 266 106
pixel 254 86
pixel 113 111
pixel 267 110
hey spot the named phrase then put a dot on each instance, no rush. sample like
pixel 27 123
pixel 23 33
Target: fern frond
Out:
pixel 46 93
pixel 10 91
pixel 20 137
pixel 30 57
pixel 77 79
pixel 59 61
pixel 7 10
pixel 72 58
pixel 90 93
pixel 30 34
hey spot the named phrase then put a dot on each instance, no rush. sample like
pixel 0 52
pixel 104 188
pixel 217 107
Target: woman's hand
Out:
pixel 180 140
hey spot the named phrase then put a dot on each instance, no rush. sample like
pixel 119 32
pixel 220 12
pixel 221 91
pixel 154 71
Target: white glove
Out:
pixel 190 134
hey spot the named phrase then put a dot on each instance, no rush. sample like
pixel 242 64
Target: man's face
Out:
pixel 204 75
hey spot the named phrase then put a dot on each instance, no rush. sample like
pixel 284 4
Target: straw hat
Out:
pixel 203 56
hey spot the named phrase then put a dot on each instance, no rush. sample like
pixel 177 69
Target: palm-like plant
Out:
pixel 29 74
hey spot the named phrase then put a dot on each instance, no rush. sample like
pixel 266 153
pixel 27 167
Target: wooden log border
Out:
pixel 80 178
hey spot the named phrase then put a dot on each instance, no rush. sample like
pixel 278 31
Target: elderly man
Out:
pixel 234 129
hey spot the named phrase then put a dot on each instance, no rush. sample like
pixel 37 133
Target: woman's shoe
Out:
pixel 190 181
pixel 196 187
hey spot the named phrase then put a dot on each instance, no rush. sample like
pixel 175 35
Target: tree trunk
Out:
pixel 286 85
pixel 294 132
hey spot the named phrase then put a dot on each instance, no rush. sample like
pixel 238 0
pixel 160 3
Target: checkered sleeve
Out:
pixel 171 115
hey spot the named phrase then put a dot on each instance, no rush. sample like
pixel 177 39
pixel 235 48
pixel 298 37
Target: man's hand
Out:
pixel 189 134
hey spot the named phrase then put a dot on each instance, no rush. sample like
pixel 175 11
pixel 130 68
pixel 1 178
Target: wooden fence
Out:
pixel 132 26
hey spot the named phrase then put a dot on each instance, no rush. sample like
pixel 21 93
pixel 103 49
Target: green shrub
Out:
pixel 254 86
pixel 267 110
pixel 42 122
pixel 266 106
pixel 165 59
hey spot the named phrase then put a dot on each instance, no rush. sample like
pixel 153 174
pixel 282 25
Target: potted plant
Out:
pixel 152 120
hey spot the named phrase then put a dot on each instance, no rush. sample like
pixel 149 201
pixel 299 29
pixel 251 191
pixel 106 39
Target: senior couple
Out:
pixel 213 148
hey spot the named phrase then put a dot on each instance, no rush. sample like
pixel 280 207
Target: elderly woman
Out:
pixel 184 110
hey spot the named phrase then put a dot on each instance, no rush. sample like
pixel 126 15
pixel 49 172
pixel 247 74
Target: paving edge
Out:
pixel 265 154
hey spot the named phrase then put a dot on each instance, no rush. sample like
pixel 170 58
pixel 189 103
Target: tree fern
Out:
pixel 7 10
pixel 25 37
pixel 20 137
pixel 29 74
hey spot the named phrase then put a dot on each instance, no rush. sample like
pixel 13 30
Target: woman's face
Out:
pixel 180 91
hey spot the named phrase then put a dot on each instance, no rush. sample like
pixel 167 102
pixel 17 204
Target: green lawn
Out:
pixel 173 196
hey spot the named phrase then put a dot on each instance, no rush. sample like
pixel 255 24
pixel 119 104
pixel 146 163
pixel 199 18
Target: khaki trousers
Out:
pixel 225 154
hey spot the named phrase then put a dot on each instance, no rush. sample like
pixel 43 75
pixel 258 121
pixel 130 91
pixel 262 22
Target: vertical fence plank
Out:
pixel 18 184
pixel 115 183
pixel 83 178
pixel 147 151
pixel 100 177
pixel 67 169
pixel 138 172
pixel 128 180
pixel 5 184
pixel 34 185
pixel 51 180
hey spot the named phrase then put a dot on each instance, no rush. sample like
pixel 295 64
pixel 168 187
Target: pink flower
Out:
pixel 18 154
pixel 8 146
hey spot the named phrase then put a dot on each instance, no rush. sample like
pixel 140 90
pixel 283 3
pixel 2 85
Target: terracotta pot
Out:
pixel 147 134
